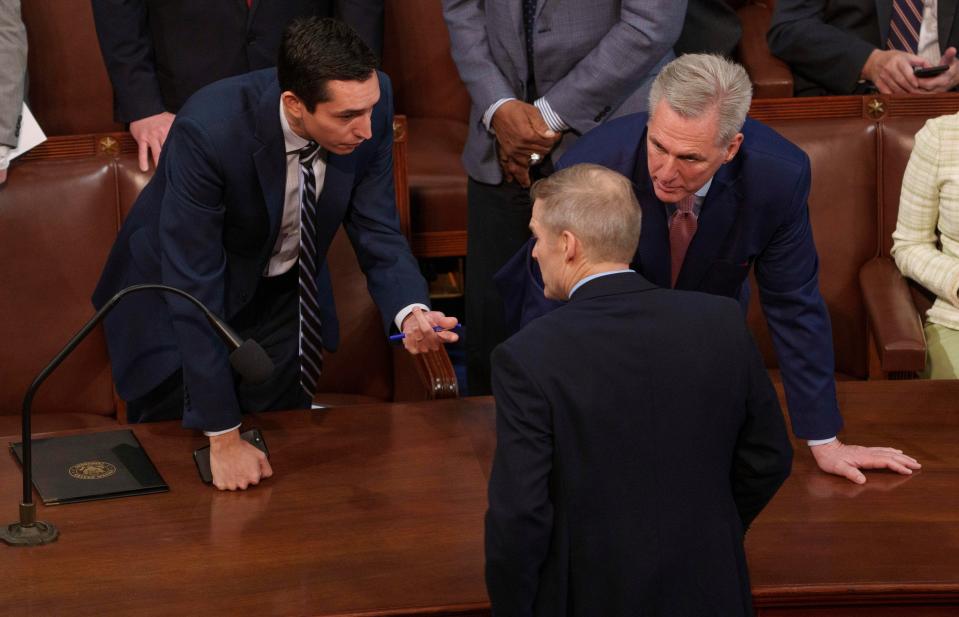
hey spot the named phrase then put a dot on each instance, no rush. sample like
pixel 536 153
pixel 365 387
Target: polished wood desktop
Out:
pixel 378 510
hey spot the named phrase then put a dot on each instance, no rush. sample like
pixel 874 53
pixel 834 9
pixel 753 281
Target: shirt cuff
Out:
pixel 552 120
pixel 488 116
pixel 4 157
pixel 819 442
pixel 406 311
pixel 218 433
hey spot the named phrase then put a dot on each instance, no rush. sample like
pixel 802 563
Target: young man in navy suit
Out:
pixel 638 434
pixel 258 173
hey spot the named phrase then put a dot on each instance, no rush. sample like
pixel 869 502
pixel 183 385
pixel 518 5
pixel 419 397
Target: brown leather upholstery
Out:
pixel 842 208
pixel 429 92
pixel 70 92
pixel 898 334
pixel 57 223
pixel 897 306
pixel 771 76
pixel 416 56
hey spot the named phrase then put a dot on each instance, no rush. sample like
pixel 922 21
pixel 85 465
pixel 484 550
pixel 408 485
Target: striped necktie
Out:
pixel 904 26
pixel 311 342
pixel 682 228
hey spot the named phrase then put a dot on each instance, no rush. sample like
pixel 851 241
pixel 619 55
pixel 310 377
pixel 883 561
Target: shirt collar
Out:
pixel 591 277
pixel 702 192
pixel 292 141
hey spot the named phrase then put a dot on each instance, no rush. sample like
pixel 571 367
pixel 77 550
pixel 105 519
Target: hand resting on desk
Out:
pixel 236 464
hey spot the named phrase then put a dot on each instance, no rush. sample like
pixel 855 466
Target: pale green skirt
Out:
pixel 942 352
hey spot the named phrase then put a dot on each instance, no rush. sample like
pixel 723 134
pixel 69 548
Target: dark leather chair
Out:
pixel 771 77
pixel 430 94
pixel 895 304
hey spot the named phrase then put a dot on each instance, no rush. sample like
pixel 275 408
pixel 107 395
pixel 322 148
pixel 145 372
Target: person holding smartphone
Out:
pixel 860 46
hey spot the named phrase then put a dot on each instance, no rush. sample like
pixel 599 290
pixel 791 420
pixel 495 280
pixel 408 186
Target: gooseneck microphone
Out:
pixel 246 357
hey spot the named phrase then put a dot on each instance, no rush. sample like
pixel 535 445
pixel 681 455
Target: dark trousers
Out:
pixel 272 319
pixel 497 226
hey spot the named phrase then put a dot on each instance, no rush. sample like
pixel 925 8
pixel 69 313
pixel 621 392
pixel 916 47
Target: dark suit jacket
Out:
pixel 710 27
pixel 826 42
pixel 207 223
pixel 159 52
pixel 754 216
pixel 638 435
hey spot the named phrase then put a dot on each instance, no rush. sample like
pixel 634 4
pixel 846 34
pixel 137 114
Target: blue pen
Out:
pixel 401 335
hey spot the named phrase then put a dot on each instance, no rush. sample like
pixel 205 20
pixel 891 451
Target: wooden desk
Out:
pixel 377 510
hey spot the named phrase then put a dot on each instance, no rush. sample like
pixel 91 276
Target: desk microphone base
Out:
pixel 29 531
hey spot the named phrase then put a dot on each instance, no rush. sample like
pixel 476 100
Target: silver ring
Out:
pixel 534 158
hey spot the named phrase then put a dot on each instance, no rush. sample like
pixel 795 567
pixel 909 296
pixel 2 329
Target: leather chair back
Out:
pixel 416 56
pixel 842 208
pixel 57 223
pixel 69 91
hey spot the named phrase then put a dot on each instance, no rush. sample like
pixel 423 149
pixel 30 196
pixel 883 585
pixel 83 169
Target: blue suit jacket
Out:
pixel 754 216
pixel 207 223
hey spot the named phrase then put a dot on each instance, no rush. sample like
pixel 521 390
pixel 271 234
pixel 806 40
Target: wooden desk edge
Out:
pixel 855 594
pixel 476 609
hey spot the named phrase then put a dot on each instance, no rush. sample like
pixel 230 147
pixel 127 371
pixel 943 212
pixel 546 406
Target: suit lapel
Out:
pixel 653 255
pixel 883 15
pixel 270 159
pixel 654 238
pixel 946 14
pixel 716 220
pixel 331 206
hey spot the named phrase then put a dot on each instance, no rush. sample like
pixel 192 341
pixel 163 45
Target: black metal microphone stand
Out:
pixel 29 531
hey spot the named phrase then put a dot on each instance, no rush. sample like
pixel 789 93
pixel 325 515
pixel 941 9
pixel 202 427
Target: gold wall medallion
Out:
pixel 92 470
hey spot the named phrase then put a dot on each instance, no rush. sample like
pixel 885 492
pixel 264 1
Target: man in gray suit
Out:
pixel 540 73
pixel 13 68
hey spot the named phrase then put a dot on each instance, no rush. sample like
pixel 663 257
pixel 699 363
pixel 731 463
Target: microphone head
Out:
pixel 251 362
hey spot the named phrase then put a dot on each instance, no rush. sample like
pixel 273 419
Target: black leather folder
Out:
pixel 91 466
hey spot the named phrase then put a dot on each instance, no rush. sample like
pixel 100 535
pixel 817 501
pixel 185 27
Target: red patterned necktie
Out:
pixel 682 228
pixel 904 25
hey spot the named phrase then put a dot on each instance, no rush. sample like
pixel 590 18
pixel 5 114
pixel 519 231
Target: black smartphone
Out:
pixel 201 456
pixel 930 71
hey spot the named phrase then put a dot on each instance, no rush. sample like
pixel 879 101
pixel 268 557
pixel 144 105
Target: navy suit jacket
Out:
pixel 159 52
pixel 754 216
pixel 624 488
pixel 207 223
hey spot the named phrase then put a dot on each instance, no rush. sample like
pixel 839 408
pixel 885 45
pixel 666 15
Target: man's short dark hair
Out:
pixel 316 50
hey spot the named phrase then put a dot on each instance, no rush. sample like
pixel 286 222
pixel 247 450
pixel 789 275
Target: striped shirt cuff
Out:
pixel 819 442
pixel 488 116
pixel 552 120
